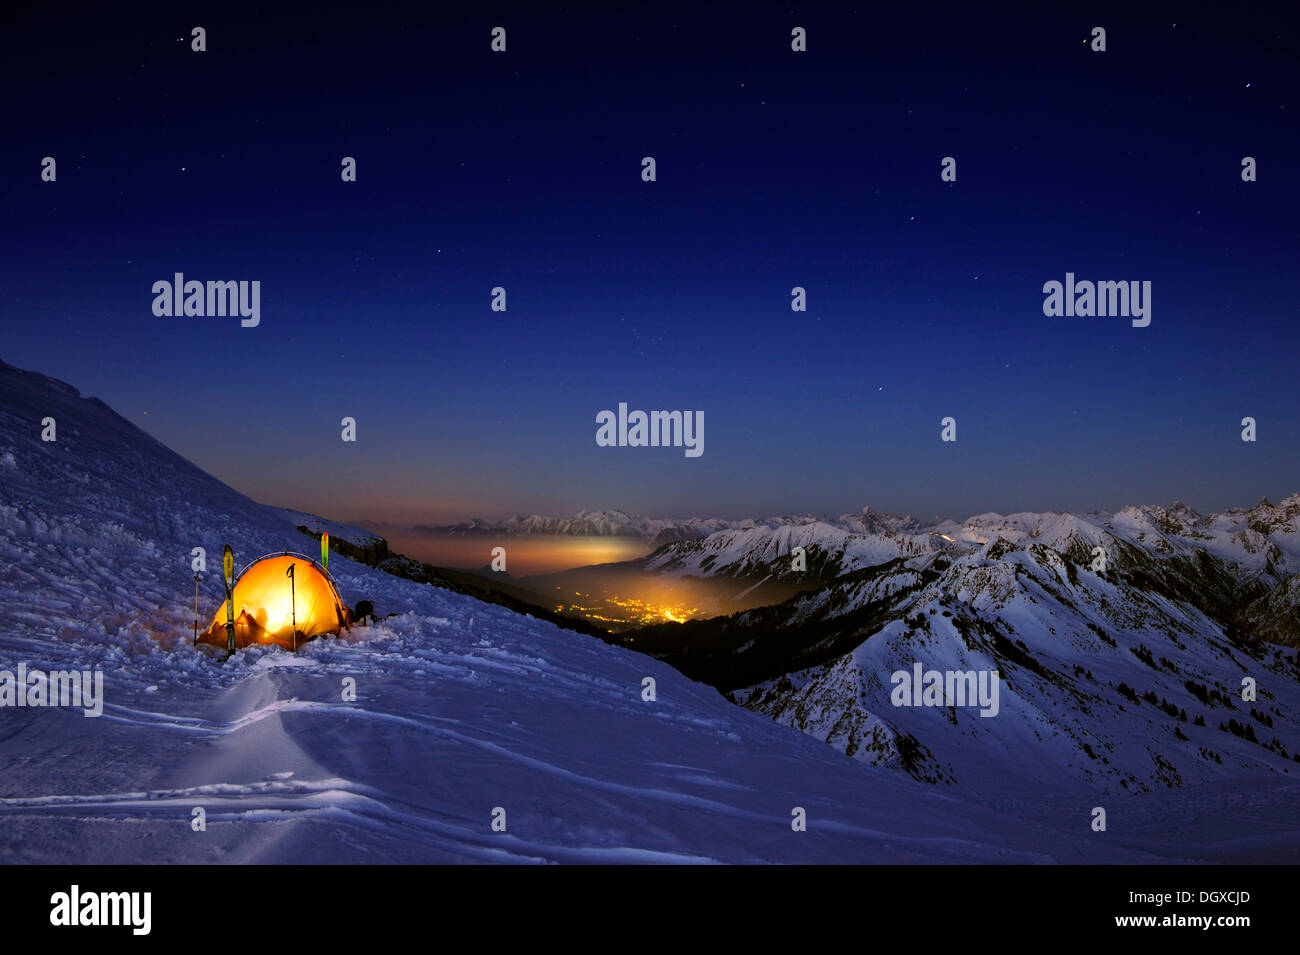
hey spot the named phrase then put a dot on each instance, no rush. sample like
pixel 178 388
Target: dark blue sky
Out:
pixel 775 169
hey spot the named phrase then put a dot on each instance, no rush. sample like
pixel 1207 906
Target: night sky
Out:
pixel 775 169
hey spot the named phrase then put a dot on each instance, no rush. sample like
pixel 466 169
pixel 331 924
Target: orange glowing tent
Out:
pixel 281 598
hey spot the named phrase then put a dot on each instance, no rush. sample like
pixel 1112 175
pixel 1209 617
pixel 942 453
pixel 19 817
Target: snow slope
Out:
pixel 357 536
pixel 460 708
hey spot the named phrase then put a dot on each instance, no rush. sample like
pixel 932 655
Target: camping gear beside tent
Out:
pixel 283 598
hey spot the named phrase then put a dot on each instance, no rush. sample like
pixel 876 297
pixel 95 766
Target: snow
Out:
pixel 460 708
pixel 767 548
pixel 339 532
pixel 1063 721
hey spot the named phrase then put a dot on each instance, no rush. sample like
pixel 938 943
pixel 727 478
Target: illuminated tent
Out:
pixel 272 607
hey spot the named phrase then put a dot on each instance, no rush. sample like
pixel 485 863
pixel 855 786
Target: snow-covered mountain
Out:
pixel 1239 566
pixel 1108 672
pixel 1263 540
pixel 461 709
pixel 586 523
pixel 658 530
pixel 767 549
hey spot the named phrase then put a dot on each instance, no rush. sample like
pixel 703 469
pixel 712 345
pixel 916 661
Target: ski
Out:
pixel 228 565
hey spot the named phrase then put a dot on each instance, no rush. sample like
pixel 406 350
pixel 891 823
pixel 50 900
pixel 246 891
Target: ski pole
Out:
pixel 293 608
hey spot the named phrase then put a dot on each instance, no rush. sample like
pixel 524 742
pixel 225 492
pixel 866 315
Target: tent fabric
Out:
pixel 265 610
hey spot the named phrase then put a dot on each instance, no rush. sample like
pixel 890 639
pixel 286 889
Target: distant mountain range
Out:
pixel 656 530
pixel 586 523
pixel 1125 673
pixel 1122 640
pixel 1262 539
